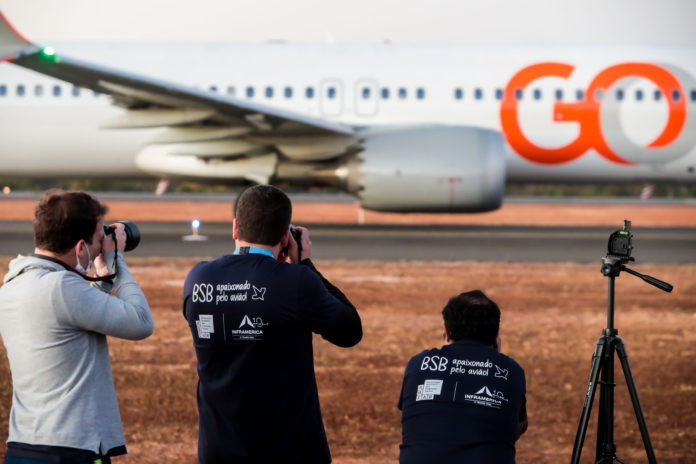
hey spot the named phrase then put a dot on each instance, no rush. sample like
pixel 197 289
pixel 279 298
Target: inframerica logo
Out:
pixel 246 321
pixel 485 397
pixel 248 329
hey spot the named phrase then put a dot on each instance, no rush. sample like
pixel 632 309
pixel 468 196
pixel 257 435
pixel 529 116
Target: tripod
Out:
pixel 603 362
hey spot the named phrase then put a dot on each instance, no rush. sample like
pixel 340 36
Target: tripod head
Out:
pixel 618 254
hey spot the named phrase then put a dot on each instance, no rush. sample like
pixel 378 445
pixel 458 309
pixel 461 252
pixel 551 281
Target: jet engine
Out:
pixel 429 169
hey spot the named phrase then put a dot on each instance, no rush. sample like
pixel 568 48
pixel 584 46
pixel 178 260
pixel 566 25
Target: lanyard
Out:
pixel 252 251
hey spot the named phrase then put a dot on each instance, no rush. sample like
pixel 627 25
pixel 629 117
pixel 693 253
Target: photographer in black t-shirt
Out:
pixel 252 315
pixel 464 402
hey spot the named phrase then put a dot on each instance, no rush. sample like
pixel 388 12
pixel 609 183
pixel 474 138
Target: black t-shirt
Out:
pixel 252 319
pixel 461 403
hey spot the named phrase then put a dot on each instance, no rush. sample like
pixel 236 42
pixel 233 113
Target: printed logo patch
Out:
pixel 249 328
pixel 205 326
pixel 487 397
pixel 428 390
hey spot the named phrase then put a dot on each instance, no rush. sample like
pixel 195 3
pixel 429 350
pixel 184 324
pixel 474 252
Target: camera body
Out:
pixel 297 236
pixel 132 234
pixel 620 245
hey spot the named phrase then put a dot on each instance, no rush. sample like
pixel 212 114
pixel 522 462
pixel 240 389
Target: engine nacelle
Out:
pixel 430 169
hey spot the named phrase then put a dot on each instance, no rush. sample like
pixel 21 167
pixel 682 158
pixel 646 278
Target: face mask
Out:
pixel 79 267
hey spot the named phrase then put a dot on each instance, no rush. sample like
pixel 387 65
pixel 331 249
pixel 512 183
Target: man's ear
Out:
pixel 80 247
pixel 446 332
pixel 285 240
pixel 234 229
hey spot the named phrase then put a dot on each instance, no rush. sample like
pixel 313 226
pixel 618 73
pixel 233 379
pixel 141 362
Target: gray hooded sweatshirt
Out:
pixel 54 327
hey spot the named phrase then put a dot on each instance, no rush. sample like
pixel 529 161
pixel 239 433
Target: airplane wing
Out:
pixel 200 123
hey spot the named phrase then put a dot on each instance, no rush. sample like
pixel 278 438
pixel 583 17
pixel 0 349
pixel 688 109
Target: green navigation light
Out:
pixel 49 51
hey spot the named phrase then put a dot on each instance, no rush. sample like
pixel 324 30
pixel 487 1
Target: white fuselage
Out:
pixel 47 133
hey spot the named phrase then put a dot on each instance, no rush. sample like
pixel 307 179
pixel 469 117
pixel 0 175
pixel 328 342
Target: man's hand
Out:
pixel 109 245
pixel 292 256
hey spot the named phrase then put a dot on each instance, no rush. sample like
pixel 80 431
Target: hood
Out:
pixel 22 263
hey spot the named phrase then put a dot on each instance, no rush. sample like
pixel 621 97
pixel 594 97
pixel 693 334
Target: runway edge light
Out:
pixel 194 236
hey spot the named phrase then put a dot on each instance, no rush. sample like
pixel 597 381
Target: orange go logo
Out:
pixel 598 118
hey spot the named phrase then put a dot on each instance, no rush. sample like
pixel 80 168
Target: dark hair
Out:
pixel 263 215
pixel 472 315
pixel 61 219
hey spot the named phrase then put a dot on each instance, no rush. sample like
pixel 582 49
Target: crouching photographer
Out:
pixel 54 326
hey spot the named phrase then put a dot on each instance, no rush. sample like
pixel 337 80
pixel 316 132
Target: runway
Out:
pixel 409 242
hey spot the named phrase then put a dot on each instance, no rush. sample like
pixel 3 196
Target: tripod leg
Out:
pixel 589 397
pixel 606 448
pixel 623 357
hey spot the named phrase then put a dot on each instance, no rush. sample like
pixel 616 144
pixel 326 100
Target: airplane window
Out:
pixel 56 90
pixel 75 91
pixel 231 90
pixel 38 90
pixel 288 92
pixel 619 94
pixel 366 93
pixel 639 95
pixel 250 92
pixel 3 90
pixel 331 92
pixel 385 93
pixel 559 94
pixel 402 93
pixel 658 95
pixel 599 94
pixel 213 88
pixel 420 93
pixel 498 94
pixel 309 92
pixel 579 95
pixel 458 93
pixel 518 94
pixel 676 95
pixel 96 94
pixel 537 94
pixel 478 94
pixel 693 95
pixel 20 90
pixel 269 92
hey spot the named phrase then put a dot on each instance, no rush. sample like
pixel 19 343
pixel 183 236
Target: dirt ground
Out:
pixel 552 315
pixel 552 214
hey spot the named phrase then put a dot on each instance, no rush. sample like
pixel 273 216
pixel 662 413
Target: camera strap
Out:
pixel 107 278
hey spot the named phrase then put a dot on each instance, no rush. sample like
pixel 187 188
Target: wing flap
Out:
pixel 137 119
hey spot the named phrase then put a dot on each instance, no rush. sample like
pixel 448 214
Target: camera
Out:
pixel 619 245
pixel 297 236
pixel 132 234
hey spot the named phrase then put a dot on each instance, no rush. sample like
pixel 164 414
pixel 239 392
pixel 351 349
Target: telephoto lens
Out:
pixel 132 234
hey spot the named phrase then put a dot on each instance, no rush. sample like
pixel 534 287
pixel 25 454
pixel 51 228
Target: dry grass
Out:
pixel 552 316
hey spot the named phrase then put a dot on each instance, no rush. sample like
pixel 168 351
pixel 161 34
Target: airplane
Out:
pixel 404 128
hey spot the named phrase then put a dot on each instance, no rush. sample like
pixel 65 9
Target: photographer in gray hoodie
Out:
pixel 54 326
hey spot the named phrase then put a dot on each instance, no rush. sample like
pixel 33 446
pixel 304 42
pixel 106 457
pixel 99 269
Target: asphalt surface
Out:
pixel 409 242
